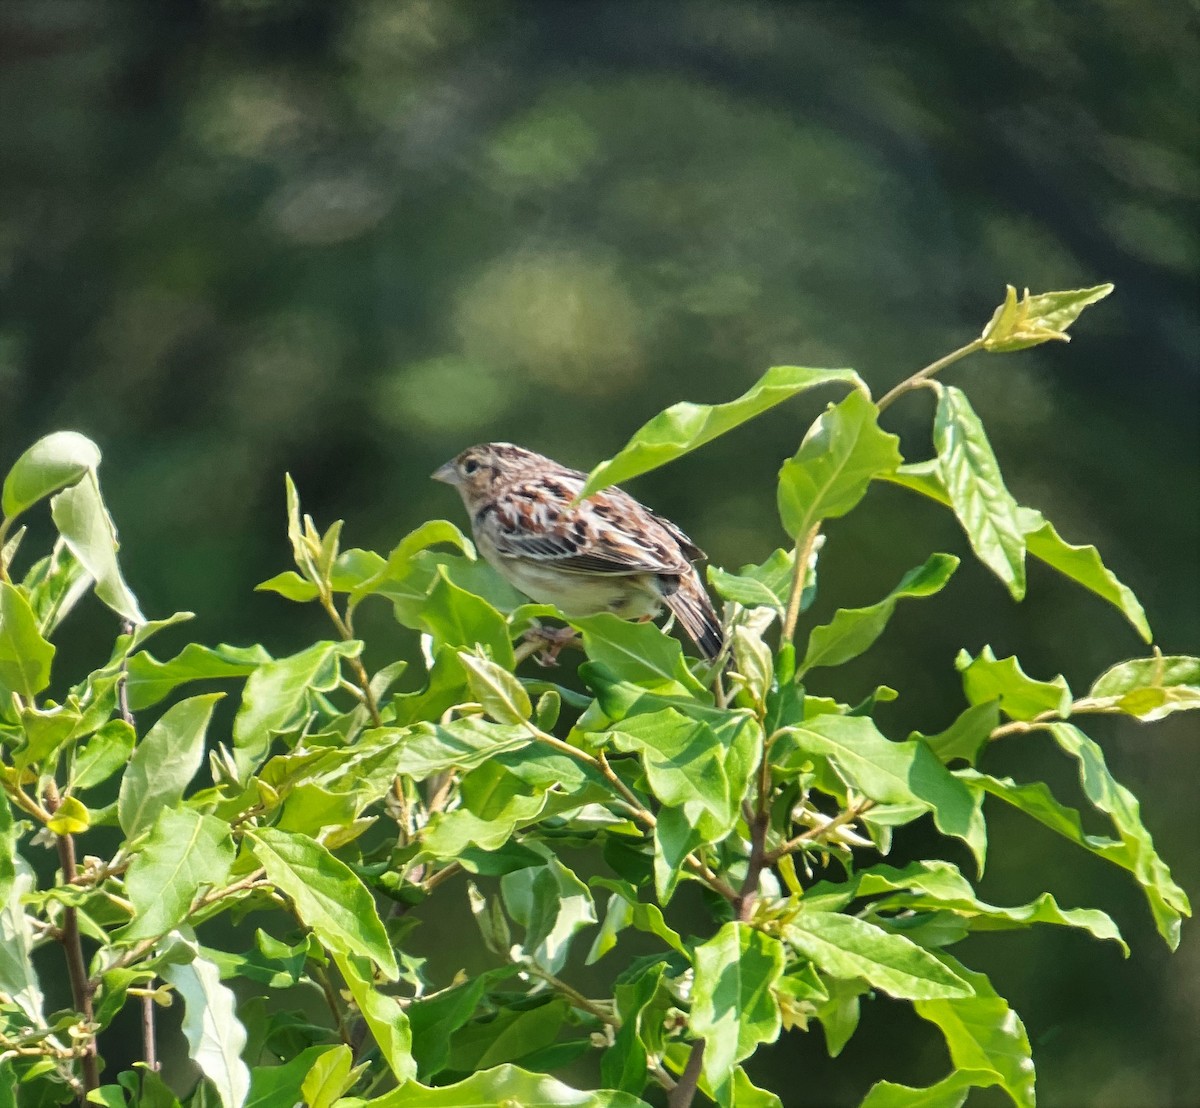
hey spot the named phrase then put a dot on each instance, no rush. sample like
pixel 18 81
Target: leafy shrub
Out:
pixel 336 805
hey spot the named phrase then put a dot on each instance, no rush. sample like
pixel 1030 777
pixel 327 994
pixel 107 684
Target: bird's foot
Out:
pixel 552 641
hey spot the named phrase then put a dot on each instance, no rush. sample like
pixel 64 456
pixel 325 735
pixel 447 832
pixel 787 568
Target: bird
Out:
pixel 606 553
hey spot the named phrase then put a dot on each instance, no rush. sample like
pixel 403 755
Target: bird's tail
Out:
pixel 693 609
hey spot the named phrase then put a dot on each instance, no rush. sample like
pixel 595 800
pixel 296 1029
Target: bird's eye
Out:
pixel 470 466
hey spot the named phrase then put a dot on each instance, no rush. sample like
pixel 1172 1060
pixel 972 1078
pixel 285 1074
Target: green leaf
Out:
pixel 839 1012
pixel 848 947
pixel 1134 852
pixel 675 837
pixel 971 474
pixel 88 530
pixel 327 895
pixel 8 854
pixel 624 910
pixel 495 804
pixel 399 562
pixel 50 464
pixel 430 748
pixel 164 763
pixel 1150 688
pixel 186 851
pixel 1167 900
pixel 1083 565
pixel 504 1085
pixel 279 1086
pixel 983 1033
pixel 330 1075
pixel 512 1034
pixel 278 697
pixel 25 656
pixel 213 1031
pixel 435 1018
pixel 640 653
pixel 757 586
pixel 150 680
pixel 102 755
pixel 733 1006
pixel 938 886
pixel 497 691
pixel 842 453
pixel 623 1065
pixel 1017 325
pixel 966 736
pixel 892 773
pixel 853 630
pixel 459 618
pixel 383 1015
pixel 987 679
pixel 553 905
pixel 684 427
pixel 950 1092
pixel 685 761
pixel 18 975
pixel 70 818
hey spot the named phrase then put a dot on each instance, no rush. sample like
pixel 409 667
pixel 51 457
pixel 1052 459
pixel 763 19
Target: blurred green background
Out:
pixel 345 240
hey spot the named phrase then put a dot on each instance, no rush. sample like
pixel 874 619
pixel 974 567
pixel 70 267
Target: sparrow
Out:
pixel 608 553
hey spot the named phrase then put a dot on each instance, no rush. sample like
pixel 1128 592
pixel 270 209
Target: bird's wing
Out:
pixel 610 533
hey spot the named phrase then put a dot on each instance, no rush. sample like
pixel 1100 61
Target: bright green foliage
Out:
pixel 325 810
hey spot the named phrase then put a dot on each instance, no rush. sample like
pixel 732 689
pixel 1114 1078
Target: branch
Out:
pixel 685 1091
pixel 356 664
pixel 82 990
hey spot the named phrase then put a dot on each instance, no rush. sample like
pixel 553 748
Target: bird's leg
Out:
pixel 555 639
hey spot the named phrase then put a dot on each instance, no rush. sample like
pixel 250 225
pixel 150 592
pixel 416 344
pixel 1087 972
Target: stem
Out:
pixel 759 826
pixel 814 834
pixel 921 376
pixel 356 664
pixel 149 1042
pixel 799 575
pixel 331 1000
pixel 82 989
pixel 685 1091
pixel 604 1015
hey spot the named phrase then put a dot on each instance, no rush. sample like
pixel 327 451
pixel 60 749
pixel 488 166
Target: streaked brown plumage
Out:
pixel 608 553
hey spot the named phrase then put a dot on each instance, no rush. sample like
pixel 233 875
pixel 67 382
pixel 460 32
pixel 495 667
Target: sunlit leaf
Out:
pixel 87 528
pixel 327 894
pixel 987 678
pixel 950 1092
pixel 757 586
pixel 71 817
pixel 623 1065
pixel 1134 851
pixel 164 763
pixel 553 905
pixel 1150 688
pixel 214 1034
pixel 277 696
pixel 383 1015
pixel 853 630
pixel 496 690
pixel 684 427
pixel 1083 565
pixel 52 463
pixel 330 1075
pixel 847 947
pixel 892 773
pixel 185 852
pixel 639 653
pixel 150 680
pixel 1167 900
pixel 102 755
pixel 983 1033
pixel 25 656
pixel 733 1005
pixel 977 492
pixel 966 736
pixel 1018 324
pixel 842 453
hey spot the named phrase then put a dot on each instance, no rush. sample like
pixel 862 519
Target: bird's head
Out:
pixel 478 470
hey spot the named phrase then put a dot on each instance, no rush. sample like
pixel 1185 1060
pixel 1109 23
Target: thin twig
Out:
pixel 356 664
pixel 799 577
pixel 921 376
pixel 815 834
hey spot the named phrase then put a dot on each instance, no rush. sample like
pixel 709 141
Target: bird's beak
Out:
pixel 446 473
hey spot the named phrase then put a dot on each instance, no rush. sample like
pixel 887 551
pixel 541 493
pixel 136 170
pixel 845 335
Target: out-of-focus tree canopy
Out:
pixel 239 237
